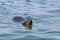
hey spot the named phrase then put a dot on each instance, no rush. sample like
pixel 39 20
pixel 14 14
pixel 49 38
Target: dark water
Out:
pixel 44 13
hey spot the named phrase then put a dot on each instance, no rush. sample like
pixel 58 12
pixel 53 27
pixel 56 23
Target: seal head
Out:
pixel 28 23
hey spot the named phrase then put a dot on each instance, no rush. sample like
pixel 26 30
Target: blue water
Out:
pixel 44 13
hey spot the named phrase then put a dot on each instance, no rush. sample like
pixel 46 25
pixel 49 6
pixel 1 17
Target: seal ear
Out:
pixel 28 24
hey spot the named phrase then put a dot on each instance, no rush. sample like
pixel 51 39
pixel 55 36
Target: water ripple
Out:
pixel 44 14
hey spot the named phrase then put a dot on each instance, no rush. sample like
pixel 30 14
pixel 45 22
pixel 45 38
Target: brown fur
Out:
pixel 28 24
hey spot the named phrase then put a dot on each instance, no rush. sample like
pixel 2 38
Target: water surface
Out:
pixel 44 13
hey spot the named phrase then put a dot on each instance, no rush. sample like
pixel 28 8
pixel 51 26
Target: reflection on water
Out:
pixel 45 15
pixel 28 0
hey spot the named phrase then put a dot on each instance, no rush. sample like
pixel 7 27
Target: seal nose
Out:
pixel 28 24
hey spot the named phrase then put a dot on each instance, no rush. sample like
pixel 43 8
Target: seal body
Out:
pixel 18 19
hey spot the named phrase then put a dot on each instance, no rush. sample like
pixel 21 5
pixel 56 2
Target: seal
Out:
pixel 26 23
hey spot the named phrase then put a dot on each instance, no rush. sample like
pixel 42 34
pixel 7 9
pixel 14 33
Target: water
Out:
pixel 44 13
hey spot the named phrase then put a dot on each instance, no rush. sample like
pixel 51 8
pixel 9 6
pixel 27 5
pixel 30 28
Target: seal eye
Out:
pixel 18 19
